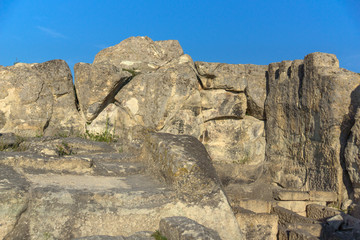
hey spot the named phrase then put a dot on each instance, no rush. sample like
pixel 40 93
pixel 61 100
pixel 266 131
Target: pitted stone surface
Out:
pixel 181 228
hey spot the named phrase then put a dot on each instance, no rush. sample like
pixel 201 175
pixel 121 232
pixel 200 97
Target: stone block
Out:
pixel 320 212
pixel 254 205
pixel 291 196
pixel 286 216
pixel 323 196
pixel 261 226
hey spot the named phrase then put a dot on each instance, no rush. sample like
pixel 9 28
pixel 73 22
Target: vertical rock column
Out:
pixel 309 110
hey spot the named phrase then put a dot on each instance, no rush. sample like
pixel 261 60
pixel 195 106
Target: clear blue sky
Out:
pixel 250 31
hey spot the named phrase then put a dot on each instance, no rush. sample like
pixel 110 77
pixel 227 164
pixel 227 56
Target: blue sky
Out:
pixel 252 31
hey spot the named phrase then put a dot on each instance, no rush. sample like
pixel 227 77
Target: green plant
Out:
pixel 105 136
pixel 15 147
pixel 133 71
pixel 47 236
pixel 157 235
pixel 64 149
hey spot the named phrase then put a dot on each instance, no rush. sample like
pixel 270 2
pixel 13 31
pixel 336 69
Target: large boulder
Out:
pixel 140 53
pixel 236 146
pixel 166 100
pixel 37 99
pixel 96 86
pixel 309 109
pixel 247 78
pixel 183 163
pixel 220 104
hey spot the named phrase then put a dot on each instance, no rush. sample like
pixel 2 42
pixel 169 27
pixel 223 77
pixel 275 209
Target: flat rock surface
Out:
pixel 66 188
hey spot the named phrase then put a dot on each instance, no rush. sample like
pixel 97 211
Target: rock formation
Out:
pixel 218 150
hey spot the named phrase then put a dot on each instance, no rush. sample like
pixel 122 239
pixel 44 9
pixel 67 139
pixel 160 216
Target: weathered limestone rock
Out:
pixel 167 100
pixel 97 85
pixel 247 78
pixel 85 193
pixel 237 147
pixel 309 110
pixel 287 216
pixel 261 226
pixel 183 162
pixel 13 198
pixel 286 195
pixel 182 228
pixel 256 90
pixel 320 212
pixel 352 155
pixel 220 104
pixel 137 236
pixel 140 53
pixel 38 98
pixel 222 76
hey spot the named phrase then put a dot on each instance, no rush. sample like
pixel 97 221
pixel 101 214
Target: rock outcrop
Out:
pixel 352 156
pixel 86 191
pixel 309 111
pixel 238 148
pixel 37 99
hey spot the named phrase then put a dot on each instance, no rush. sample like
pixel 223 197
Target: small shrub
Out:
pixel 105 136
pixel 157 235
pixel 64 149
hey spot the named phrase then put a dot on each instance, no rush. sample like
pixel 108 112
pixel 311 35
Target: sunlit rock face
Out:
pixel 309 111
pixel 37 99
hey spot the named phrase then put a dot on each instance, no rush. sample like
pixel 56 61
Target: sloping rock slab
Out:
pixel 182 162
pixel 13 198
pixel 181 228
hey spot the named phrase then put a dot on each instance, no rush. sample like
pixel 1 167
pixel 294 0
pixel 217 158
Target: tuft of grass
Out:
pixel 243 160
pixel 157 235
pixel 133 71
pixel 64 149
pixel 16 147
pixel 105 136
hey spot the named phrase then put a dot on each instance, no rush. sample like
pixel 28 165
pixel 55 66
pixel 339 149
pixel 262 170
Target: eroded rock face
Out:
pixel 352 155
pixel 170 99
pixel 13 198
pixel 140 53
pixel 217 104
pixel 237 147
pixel 247 78
pixel 97 85
pixel 309 110
pixel 38 98
pixel 88 191
pixel 165 100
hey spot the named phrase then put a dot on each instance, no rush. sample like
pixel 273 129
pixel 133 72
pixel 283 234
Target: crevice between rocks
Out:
pixel 223 118
pixel 13 232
